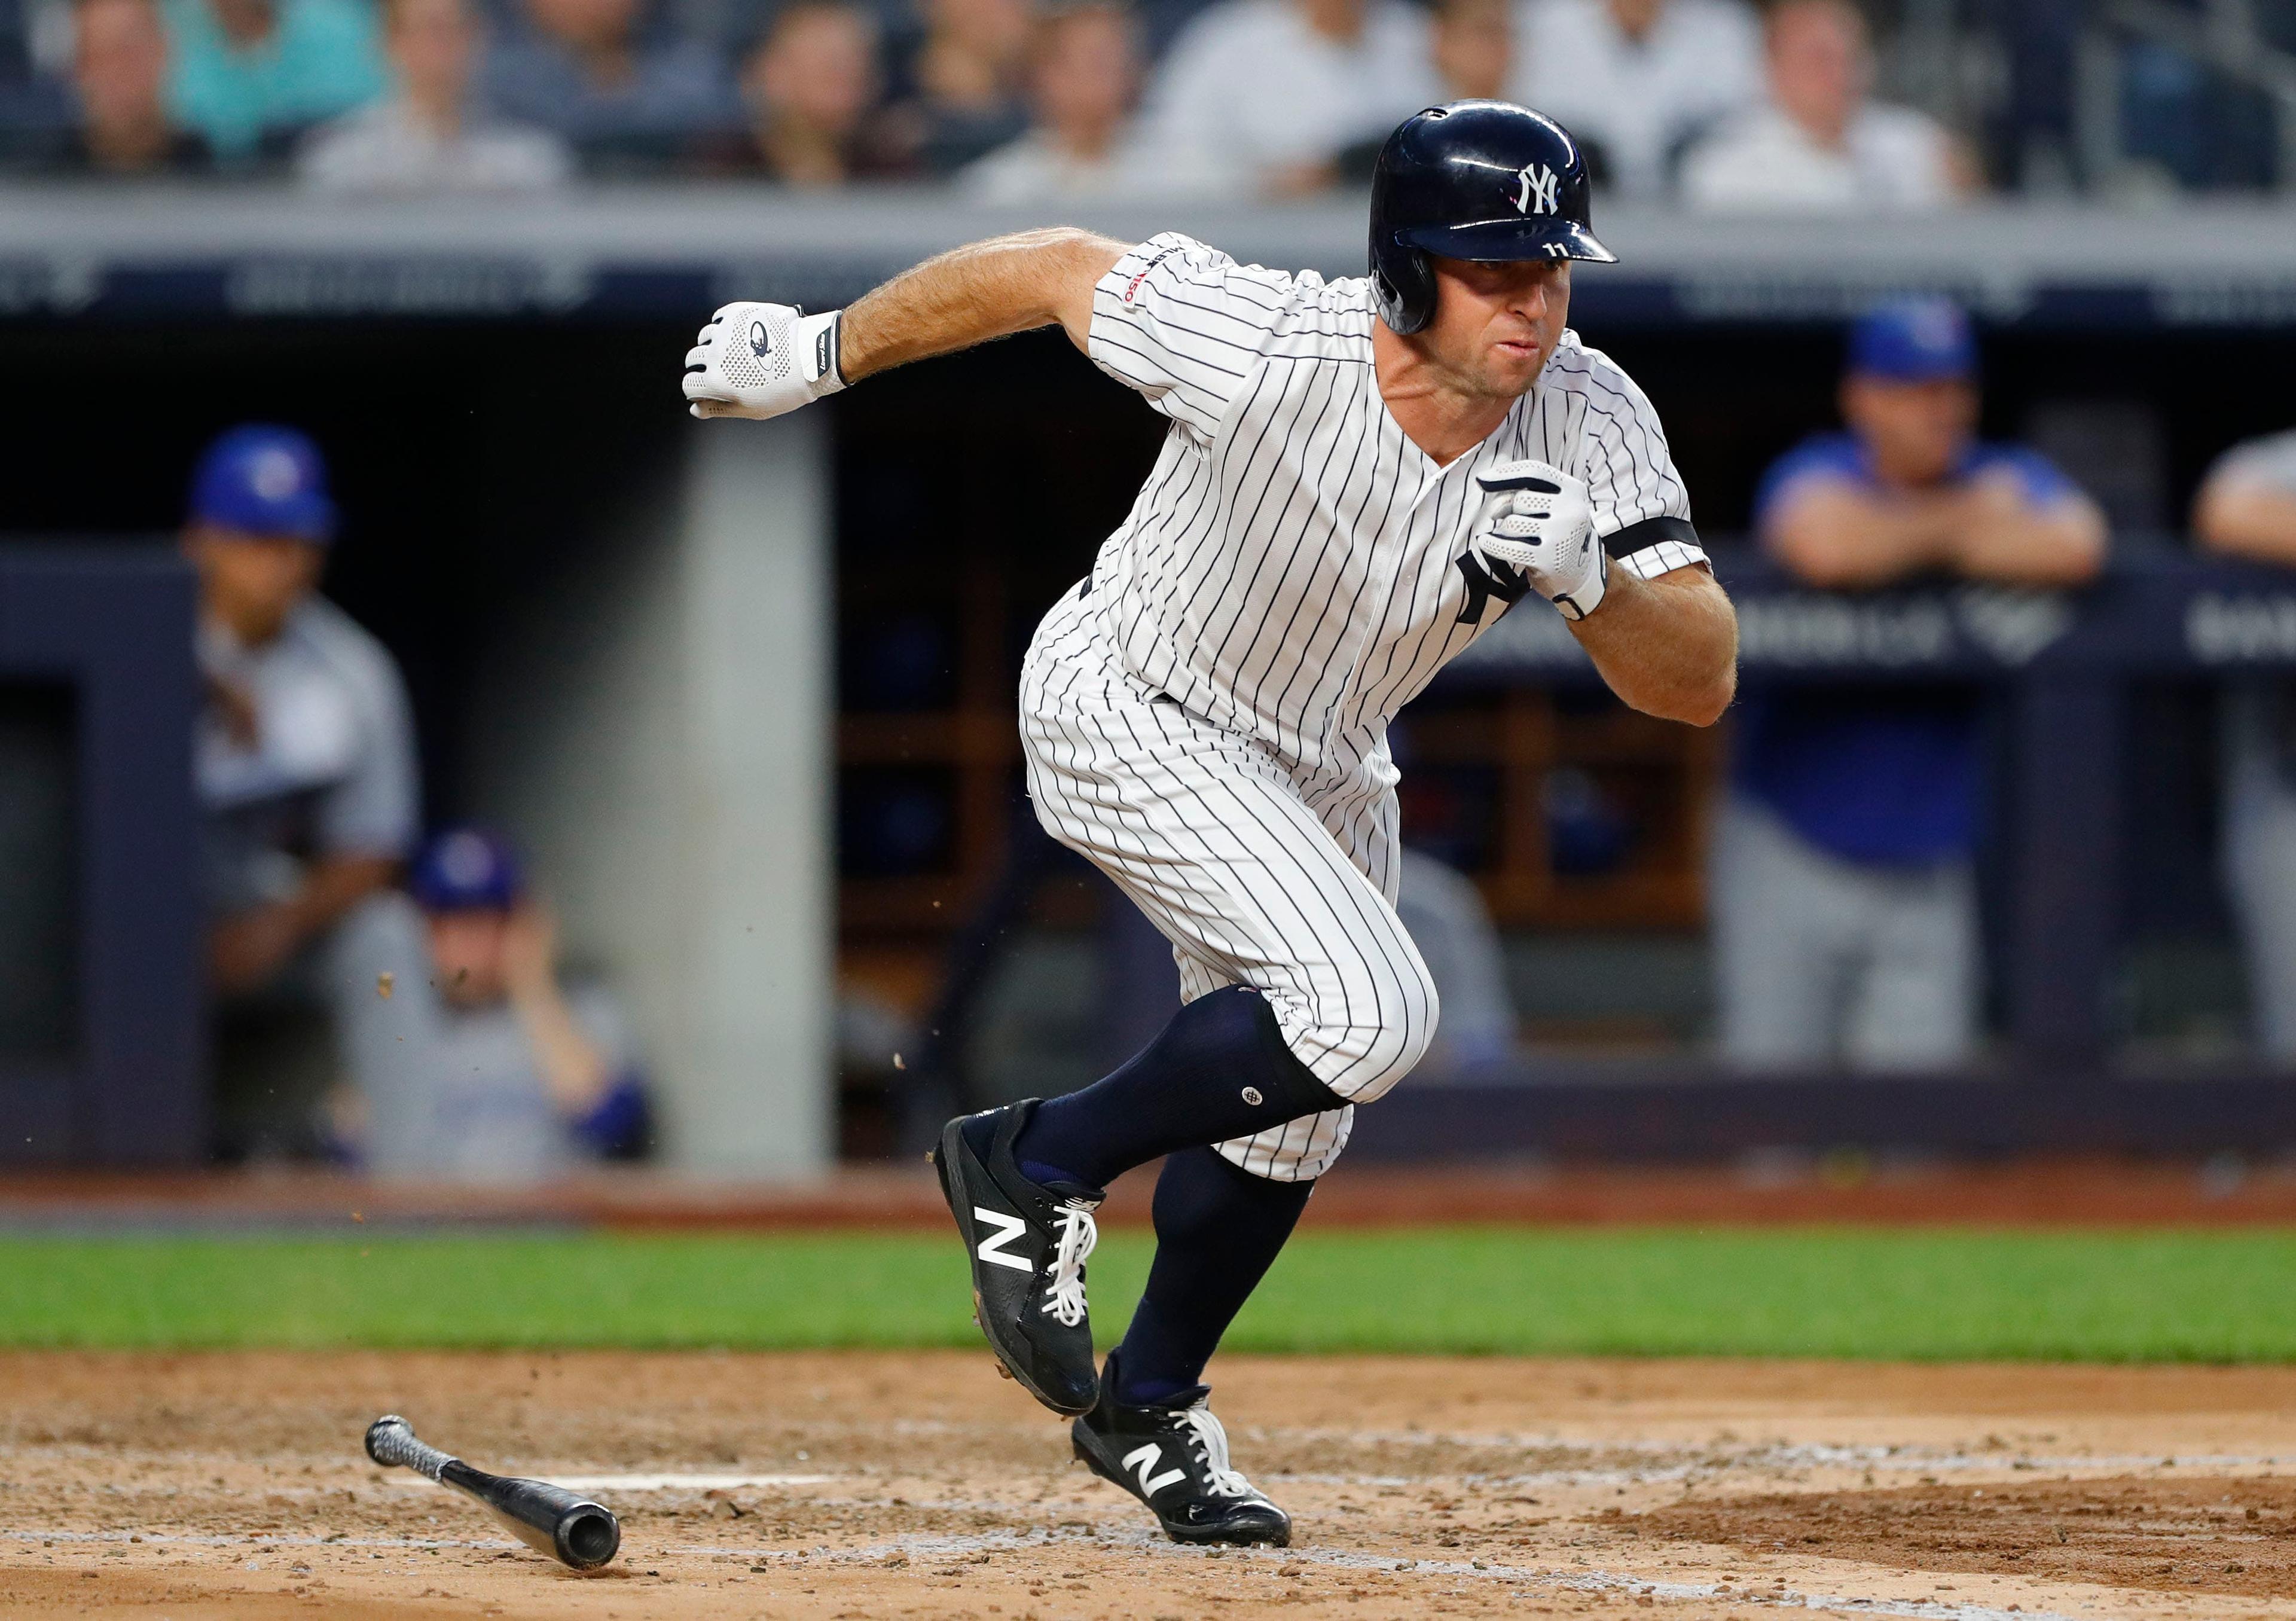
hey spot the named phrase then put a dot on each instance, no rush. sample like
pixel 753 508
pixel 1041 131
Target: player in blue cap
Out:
pixel 468 1058
pixel 306 764
pixel 1844 899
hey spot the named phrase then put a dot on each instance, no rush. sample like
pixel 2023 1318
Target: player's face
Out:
pixel 252 582
pixel 1495 324
pixel 467 948
pixel 1915 430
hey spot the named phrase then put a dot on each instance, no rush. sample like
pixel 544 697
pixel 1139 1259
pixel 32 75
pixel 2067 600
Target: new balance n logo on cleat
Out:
pixel 1143 1459
pixel 1175 1460
pixel 1008 1228
pixel 1026 1245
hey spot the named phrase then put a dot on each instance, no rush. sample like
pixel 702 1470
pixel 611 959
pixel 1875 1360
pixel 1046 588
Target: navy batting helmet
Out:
pixel 1473 180
pixel 466 869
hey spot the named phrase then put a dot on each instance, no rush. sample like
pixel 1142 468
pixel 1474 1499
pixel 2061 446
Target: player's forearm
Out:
pixel 571 1062
pixel 1668 647
pixel 335 885
pixel 1841 540
pixel 248 947
pixel 2249 520
pixel 972 294
pixel 2054 546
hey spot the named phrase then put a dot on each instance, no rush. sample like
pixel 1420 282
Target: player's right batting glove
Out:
pixel 1538 523
pixel 762 360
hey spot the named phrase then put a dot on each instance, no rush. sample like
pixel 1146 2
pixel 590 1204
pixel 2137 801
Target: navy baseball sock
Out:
pixel 1219 1070
pixel 1218 1231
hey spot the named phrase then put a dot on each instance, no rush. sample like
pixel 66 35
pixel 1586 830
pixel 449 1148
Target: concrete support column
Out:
pixel 659 736
pixel 755 1092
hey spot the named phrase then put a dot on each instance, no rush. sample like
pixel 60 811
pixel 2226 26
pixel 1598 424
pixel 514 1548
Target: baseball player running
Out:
pixel 1361 476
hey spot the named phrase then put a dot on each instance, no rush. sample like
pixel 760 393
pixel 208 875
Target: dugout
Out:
pixel 652 648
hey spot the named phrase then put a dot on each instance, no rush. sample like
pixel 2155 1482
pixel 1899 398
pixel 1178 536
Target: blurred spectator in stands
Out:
pixel 2186 124
pixel 1817 145
pixel 34 107
pixel 2030 125
pixel 15 42
pixel 119 77
pixel 810 87
pixel 963 94
pixel 305 766
pixel 586 70
pixel 2247 508
pixel 1472 47
pixel 1845 910
pixel 1275 92
pixel 467 1057
pixel 249 71
pixel 427 136
pixel 1636 80
pixel 1084 78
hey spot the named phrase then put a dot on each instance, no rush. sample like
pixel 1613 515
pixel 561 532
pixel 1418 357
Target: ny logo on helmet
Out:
pixel 1540 185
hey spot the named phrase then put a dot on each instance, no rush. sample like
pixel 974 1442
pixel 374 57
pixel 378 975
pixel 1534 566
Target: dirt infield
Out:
pixel 871 1484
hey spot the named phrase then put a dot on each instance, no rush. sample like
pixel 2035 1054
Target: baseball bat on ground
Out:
pixel 545 1516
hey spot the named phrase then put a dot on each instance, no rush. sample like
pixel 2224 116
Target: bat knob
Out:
pixel 384 1426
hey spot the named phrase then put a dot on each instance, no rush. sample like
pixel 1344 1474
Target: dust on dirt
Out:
pixel 2219 1535
pixel 876 1485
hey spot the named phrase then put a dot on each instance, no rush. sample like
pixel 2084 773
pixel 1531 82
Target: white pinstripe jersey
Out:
pixel 1292 568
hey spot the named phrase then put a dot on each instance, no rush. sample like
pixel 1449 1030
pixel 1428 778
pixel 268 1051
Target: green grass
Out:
pixel 2089 1296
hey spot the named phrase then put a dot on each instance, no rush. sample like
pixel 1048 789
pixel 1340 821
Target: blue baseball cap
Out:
pixel 266 480
pixel 1913 341
pixel 467 868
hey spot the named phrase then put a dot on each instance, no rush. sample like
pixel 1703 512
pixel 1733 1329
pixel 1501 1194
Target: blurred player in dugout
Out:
pixel 2247 508
pixel 467 1060
pixel 306 773
pixel 1842 881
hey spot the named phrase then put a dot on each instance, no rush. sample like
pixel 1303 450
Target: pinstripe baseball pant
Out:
pixel 1258 872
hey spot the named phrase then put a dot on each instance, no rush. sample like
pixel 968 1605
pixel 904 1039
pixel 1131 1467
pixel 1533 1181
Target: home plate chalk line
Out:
pixel 656 1483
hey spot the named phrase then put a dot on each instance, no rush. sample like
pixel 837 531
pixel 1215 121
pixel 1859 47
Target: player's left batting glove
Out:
pixel 1537 523
pixel 762 360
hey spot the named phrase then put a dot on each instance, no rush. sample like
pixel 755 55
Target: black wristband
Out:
pixel 1650 532
pixel 829 350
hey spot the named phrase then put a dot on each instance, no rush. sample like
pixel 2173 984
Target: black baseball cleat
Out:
pixel 1174 1459
pixel 1027 1241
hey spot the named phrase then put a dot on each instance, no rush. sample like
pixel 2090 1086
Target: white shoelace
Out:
pixel 1211 1446
pixel 1064 1295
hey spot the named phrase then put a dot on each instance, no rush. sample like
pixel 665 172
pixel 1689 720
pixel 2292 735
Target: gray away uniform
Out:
pixel 453 1092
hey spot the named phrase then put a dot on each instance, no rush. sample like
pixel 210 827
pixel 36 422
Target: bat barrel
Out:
pixel 587 1535
pixel 548 1519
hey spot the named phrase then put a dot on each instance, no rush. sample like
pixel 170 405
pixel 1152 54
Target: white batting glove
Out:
pixel 1536 520
pixel 762 360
